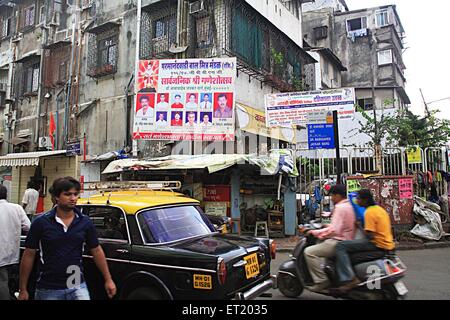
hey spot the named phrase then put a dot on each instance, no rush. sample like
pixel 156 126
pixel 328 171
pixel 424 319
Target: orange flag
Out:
pixel 52 129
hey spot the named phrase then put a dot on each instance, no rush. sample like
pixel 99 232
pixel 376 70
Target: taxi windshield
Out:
pixel 173 223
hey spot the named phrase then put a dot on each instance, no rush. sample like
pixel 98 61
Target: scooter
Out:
pixel 380 279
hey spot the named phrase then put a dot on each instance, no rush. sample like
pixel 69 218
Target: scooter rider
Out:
pixel 379 241
pixel 342 227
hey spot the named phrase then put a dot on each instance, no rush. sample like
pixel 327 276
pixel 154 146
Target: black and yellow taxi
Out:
pixel 160 245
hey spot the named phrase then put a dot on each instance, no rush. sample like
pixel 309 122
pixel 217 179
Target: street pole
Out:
pixel 138 44
pixel 337 146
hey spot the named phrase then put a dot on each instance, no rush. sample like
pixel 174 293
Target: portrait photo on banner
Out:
pixel 205 119
pixel 162 101
pixel 206 101
pixel 192 101
pixel 145 105
pixel 223 105
pixel 176 119
pixel 177 101
pixel 161 118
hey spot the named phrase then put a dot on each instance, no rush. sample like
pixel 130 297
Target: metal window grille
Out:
pixel 263 51
pixel 103 53
pixel 204 32
pixel 56 68
pixel 27 78
pixel 158 30
pixel 29 15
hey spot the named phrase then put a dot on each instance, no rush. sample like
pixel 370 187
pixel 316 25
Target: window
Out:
pixel 164 26
pixel 384 57
pixel 107 52
pixel 366 104
pixel 42 14
pixel 173 224
pixel 357 24
pixel 382 18
pixel 62 72
pixel 103 53
pixel 6 27
pixel 204 32
pixel 109 222
pixel 321 32
pixel 29 14
pixel 31 78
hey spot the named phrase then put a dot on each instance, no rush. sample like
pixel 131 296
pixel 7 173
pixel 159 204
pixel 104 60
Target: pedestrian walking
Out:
pixel 61 235
pixel 30 199
pixel 13 219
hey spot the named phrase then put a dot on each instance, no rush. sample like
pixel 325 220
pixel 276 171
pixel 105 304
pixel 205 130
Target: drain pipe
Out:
pixel 127 119
pixel 69 84
pixel 44 40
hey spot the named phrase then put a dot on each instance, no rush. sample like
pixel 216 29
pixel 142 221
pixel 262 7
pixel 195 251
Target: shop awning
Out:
pixel 276 161
pixel 17 140
pixel 254 121
pixel 27 159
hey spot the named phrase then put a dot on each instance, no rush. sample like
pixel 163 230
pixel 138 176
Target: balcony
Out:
pixel 102 71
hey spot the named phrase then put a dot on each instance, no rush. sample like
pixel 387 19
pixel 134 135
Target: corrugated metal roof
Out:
pixel 27 159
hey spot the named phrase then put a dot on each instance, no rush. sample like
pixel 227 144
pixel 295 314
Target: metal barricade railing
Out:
pixel 434 161
pixel 362 160
pixel 393 162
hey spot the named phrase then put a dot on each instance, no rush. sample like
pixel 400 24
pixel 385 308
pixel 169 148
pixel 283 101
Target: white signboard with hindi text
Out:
pixel 291 109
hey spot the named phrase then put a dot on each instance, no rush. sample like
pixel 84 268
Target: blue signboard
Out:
pixel 73 149
pixel 321 136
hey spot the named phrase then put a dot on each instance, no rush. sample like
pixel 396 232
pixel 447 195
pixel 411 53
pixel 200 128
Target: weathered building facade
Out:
pixel 74 61
pixel 70 74
pixel 369 42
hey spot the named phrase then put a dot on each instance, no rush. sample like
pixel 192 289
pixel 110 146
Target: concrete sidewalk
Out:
pixel 288 244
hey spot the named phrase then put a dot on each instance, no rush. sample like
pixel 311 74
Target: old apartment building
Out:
pixel 72 62
pixel 67 74
pixel 370 44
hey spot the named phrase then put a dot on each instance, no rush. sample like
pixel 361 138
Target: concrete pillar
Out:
pixel 290 213
pixel 235 197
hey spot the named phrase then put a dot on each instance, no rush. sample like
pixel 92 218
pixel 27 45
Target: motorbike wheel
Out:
pixel 289 286
pixel 391 294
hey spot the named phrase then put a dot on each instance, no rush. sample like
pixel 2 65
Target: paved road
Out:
pixel 428 276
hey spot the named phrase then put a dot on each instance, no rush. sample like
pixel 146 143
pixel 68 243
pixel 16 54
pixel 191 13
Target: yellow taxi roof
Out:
pixel 132 201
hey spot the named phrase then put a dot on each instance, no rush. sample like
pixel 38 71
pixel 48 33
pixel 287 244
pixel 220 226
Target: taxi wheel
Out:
pixel 144 293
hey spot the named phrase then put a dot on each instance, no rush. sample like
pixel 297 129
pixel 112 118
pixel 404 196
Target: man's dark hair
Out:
pixel 192 94
pixel 3 192
pixel 64 184
pixel 177 95
pixel 222 96
pixel 367 195
pixel 206 95
pixel 144 98
pixel 340 190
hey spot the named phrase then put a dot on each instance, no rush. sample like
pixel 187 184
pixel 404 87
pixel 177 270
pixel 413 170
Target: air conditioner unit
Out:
pixel 197 7
pixel 62 35
pixel 56 19
pixel 45 143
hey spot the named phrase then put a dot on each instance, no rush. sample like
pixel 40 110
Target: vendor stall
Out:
pixel 247 188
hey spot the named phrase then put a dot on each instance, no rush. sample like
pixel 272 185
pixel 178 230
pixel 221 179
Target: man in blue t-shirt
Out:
pixel 60 236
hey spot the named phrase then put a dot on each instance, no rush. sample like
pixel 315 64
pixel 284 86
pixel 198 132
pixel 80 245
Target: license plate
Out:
pixel 401 288
pixel 202 282
pixel 252 266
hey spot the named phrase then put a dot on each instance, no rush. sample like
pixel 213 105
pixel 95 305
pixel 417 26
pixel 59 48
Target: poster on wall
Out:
pixel 292 109
pixel 406 188
pixel 190 99
pixel 414 156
